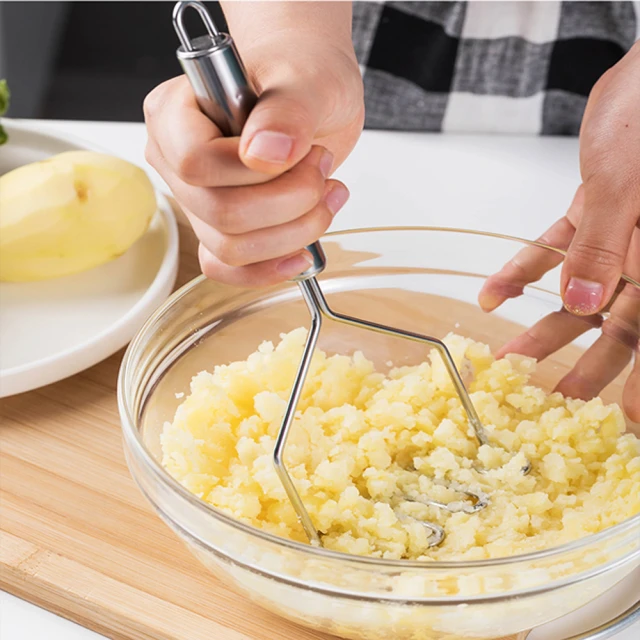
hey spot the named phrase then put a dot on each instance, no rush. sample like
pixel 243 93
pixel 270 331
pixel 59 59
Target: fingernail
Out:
pixel 326 163
pixel 270 146
pixel 336 198
pixel 583 297
pixel 295 265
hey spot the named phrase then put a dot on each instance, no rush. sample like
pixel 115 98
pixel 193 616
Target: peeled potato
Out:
pixel 70 213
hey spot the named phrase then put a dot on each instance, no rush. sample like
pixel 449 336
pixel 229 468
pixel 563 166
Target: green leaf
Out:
pixel 5 96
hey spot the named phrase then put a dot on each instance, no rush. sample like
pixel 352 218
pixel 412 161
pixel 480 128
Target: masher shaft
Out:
pixel 294 399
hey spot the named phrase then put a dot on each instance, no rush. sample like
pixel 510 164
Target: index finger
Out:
pixel 526 267
pixel 190 143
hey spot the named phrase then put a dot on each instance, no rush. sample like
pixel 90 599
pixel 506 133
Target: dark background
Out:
pixel 98 59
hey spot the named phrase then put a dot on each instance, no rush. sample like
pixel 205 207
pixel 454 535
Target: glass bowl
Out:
pixel 421 279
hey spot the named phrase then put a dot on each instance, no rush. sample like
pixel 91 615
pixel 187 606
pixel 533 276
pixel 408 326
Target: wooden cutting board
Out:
pixel 77 537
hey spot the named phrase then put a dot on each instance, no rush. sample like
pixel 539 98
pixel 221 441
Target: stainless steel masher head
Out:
pixel 225 94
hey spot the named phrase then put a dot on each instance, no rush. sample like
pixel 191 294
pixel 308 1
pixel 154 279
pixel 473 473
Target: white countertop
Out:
pixel 511 185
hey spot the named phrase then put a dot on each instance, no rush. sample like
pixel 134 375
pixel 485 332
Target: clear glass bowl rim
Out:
pixel 133 438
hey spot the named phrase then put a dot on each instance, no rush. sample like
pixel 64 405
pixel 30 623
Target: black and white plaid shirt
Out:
pixel 509 67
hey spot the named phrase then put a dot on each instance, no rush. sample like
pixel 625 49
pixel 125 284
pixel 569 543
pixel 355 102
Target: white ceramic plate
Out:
pixel 53 329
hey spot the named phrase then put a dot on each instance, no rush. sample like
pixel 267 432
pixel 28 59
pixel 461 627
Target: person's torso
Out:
pixel 512 67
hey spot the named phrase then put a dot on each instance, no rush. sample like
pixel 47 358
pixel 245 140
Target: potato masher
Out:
pixel 225 94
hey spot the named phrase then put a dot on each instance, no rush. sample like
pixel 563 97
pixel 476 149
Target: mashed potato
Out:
pixel 362 439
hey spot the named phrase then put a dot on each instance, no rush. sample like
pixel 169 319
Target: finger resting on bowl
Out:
pixel 550 334
pixel 527 266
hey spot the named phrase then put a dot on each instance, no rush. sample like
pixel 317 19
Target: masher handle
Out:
pixel 222 89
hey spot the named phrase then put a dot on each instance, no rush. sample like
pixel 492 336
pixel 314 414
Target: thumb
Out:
pixel 596 256
pixel 281 128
